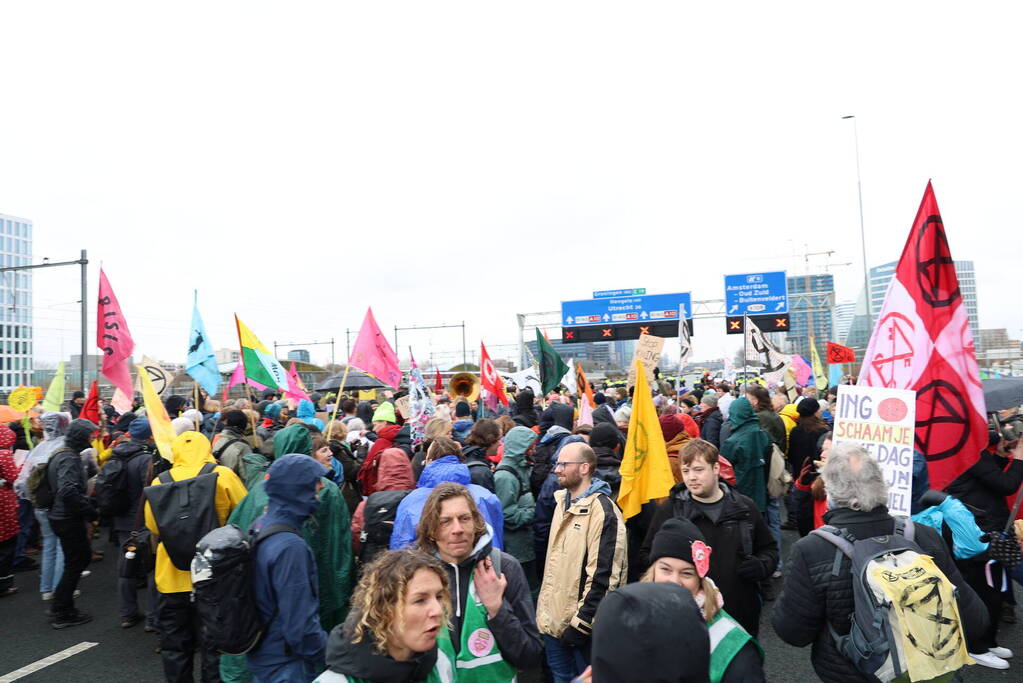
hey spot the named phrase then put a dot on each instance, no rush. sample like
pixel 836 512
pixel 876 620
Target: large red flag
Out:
pixel 489 379
pixel 922 341
pixel 113 337
pixel 438 385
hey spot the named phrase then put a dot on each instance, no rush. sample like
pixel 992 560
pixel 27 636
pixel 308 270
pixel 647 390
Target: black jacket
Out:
pixel 66 472
pixel 984 487
pixel 739 534
pixel 803 445
pixel 480 472
pixel 710 427
pixel 137 457
pixel 514 627
pixel 342 452
pixel 609 463
pixel 361 660
pixel 812 598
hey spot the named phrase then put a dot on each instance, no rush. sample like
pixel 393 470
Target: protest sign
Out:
pixel 402 406
pixel 648 352
pixel 883 421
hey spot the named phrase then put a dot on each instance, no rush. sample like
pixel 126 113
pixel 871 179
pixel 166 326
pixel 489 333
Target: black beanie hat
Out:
pixel 675 539
pixel 78 394
pixel 808 406
pixel 462 409
pixel 650 633
pixel 605 434
pixel 236 419
pixel 599 398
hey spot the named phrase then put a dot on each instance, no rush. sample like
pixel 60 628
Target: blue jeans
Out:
pixel 51 559
pixel 774 524
pixel 565 662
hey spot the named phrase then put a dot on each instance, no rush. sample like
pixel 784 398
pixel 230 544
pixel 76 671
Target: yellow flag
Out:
pixel 55 394
pixel 367 395
pixel 159 421
pixel 645 471
pixel 820 378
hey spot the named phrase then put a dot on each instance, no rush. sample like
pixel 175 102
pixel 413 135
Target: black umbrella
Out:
pixel 356 380
pixel 1003 393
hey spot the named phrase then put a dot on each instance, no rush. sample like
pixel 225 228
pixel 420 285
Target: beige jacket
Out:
pixel 586 559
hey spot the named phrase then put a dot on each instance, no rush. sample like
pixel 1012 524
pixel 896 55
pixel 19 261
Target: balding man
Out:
pixel 586 559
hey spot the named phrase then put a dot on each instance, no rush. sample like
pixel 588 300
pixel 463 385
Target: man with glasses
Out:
pixel 586 559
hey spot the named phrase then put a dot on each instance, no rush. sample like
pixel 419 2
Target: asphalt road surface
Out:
pixel 103 651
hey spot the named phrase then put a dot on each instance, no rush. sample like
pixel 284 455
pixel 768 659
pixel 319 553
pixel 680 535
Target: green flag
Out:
pixel 55 394
pixel 552 368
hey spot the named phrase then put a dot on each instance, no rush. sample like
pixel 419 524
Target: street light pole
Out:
pixel 863 237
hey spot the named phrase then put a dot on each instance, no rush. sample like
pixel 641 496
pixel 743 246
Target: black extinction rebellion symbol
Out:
pixel 930 272
pixel 944 430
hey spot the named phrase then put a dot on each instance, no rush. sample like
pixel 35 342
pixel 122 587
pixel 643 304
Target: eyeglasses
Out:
pixel 559 465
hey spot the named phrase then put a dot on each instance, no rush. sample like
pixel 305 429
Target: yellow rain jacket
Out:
pixel 789 417
pixel 191 451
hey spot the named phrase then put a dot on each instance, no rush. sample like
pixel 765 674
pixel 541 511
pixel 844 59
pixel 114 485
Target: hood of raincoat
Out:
pixel 789 411
pixel 596 486
pixel 190 449
pixel 516 442
pixel 553 432
pixel 55 424
pixel 307 413
pixel 394 471
pixel 79 434
pixel 7 437
pixel 740 413
pixel 293 439
pixel 448 468
pixel 291 488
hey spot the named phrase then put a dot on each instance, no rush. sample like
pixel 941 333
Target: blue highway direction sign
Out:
pixel 626 309
pixel 756 294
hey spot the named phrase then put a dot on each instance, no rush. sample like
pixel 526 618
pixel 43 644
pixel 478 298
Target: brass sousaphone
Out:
pixel 464 385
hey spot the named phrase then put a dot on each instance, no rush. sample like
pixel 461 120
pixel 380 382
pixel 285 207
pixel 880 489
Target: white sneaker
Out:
pixel 48 595
pixel 1003 652
pixel 86 572
pixel 776 574
pixel 989 660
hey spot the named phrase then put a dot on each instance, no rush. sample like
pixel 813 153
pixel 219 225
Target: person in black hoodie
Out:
pixel 482 441
pixel 70 515
pixel 983 488
pixel 557 413
pixel 603 412
pixel 405 587
pixel 606 441
pixel 491 594
pixel 523 412
pixel 137 455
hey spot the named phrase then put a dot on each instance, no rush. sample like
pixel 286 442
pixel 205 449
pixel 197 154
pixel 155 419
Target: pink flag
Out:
pixel 238 376
pixel 113 337
pixel 585 412
pixel 373 354
pixel 922 341
pixel 802 368
pixel 296 389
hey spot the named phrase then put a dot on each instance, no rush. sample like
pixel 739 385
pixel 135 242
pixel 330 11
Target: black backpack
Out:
pixel 112 497
pixel 378 523
pixel 222 586
pixel 184 511
pixel 40 490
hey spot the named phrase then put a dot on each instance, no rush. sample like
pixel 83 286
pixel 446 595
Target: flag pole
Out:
pixel 337 399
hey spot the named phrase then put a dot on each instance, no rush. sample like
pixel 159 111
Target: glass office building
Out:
pixel 15 303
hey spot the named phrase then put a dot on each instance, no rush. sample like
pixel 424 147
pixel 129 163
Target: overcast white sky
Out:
pixel 439 161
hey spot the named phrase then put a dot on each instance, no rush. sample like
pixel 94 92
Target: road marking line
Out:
pixel 47 661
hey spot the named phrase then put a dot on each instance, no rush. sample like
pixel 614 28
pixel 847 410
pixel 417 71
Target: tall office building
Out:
pixel 301 355
pixel 15 303
pixel 881 276
pixel 811 312
pixel 843 319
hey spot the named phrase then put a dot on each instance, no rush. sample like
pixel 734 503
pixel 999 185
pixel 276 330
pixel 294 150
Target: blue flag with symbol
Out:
pixel 201 364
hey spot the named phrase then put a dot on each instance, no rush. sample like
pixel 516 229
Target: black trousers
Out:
pixel 74 541
pixel 7 552
pixel 180 635
pixel 975 575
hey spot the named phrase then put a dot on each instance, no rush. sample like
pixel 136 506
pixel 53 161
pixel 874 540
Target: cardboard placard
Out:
pixel 402 406
pixel 648 351
pixel 883 421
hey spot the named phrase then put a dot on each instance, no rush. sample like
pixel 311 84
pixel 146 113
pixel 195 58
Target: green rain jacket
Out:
pixel 511 484
pixel 747 449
